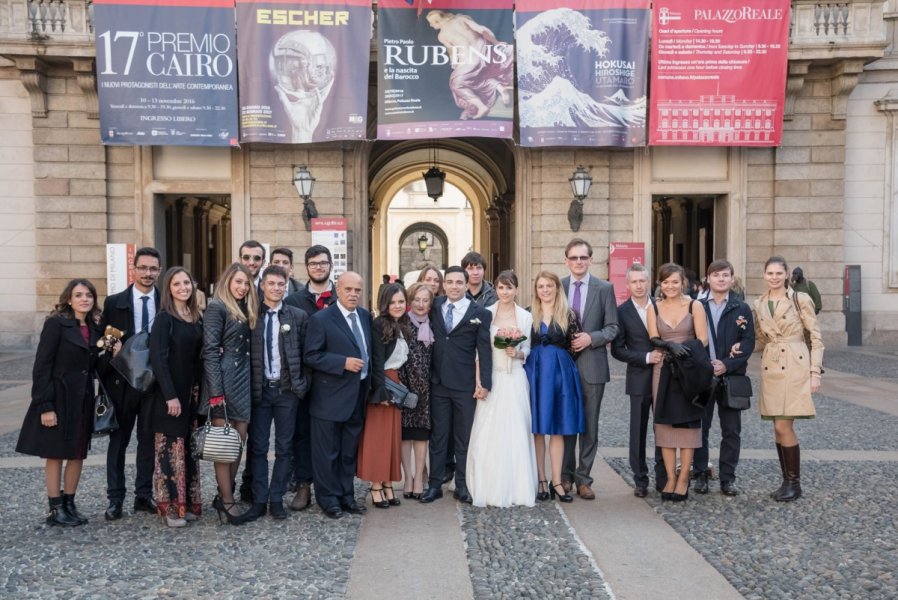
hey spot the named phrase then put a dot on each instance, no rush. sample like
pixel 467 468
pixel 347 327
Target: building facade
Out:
pixel 824 199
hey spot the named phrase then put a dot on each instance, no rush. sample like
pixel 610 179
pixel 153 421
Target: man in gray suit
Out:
pixel 593 301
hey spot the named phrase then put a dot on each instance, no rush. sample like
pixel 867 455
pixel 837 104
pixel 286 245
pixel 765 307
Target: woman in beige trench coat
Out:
pixel 790 372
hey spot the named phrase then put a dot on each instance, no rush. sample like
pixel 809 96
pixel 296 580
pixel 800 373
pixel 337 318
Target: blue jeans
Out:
pixel 278 407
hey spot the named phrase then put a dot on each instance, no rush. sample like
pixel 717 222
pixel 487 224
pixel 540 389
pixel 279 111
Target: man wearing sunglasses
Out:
pixel 252 256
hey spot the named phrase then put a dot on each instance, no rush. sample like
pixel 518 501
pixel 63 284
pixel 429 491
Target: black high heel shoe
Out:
pixel 542 492
pixel 392 500
pixel 383 502
pixel 563 496
pixel 224 512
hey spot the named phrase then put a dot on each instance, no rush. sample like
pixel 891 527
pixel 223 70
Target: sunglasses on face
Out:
pixel 251 257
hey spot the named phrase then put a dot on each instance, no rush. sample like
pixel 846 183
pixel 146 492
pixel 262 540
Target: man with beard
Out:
pixel 316 295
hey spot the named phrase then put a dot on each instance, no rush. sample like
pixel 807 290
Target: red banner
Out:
pixel 621 256
pixel 718 72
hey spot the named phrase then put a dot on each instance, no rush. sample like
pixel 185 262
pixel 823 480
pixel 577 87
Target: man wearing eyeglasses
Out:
pixel 316 295
pixel 592 300
pixel 252 255
pixel 130 311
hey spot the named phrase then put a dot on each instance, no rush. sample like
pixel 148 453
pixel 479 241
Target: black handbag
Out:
pixel 400 395
pixel 104 413
pixel 735 391
pixel 133 362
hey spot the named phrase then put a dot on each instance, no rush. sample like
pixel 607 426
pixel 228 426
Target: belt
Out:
pixel 271 383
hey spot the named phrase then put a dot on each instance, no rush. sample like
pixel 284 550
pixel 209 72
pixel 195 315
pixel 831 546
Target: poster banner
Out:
pixel 445 69
pixel 303 70
pixel 582 71
pixel 621 256
pixel 718 72
pixel 331 233
pixel 119 258
pixel 166 72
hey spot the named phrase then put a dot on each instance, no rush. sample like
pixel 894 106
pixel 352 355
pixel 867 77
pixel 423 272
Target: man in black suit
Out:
pixel 632 346
pixel 461 331
pixel 337 350
pixel 317 294
pixel 278 382
pixel 130 311
pixel 730 322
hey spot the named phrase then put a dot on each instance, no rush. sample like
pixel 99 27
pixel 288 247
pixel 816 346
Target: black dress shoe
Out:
pixel 728 488
pixel 114 510
pixel 701 483
pixel 334 512
pixel 640 491
pixel 277 510
pixel 256 511
pixel 355 508
pixel 147 505
pixel 462 495
pixel 430 495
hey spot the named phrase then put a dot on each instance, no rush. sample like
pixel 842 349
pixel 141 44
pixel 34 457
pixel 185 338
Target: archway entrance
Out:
pixel 479 188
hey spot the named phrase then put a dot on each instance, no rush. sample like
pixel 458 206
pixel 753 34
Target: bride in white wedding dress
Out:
pixel 501 467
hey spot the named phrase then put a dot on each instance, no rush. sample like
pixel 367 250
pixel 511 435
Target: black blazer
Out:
pixel 454 353
pixel 329 341
pixel 118 311
pixel 630 345
pixel 305 299
pixel 290 347
pixel 736 325
pixel 176 348
pixel 380 352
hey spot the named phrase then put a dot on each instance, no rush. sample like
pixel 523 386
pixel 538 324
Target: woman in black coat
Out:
pixel 175 349
pixel 59 421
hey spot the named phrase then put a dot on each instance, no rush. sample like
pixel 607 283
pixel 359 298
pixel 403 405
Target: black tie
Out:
pixel 269 340
pixel 145 314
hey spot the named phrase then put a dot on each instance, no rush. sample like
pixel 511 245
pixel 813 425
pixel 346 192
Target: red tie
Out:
pixel 320 302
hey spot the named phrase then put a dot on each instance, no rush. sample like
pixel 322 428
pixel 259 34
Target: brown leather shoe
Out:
pixel 585 492
pixel 303 497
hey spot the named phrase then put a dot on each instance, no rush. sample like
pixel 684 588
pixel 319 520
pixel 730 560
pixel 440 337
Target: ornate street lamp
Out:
pixel 422 243
pixel 434 179
pixel 304 183
pixel 580 183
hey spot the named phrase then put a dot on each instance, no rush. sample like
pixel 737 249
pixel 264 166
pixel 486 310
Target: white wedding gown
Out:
pixel 501 467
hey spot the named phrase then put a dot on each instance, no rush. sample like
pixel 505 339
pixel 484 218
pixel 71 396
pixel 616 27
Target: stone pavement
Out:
pixel 838 541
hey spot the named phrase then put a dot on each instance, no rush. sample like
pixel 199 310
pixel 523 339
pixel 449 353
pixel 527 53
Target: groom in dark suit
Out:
pixel 461 331
pixel 337 349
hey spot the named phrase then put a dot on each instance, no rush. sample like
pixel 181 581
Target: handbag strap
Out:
pixel 208 424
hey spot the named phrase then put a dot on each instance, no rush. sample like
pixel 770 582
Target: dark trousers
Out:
pixel 279 408
pixel 730 440
pixel 137 408
pixel 302 444
pixel 640 409
pixel 335 447
pixel 451 412
pixel 589 439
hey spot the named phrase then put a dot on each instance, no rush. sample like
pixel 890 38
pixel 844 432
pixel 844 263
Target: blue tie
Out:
pixel 269 341
pixel 360 339
pixel 449 317
pixel 145 314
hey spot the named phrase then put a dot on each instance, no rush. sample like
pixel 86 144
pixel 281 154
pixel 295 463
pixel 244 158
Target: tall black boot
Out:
pixel 68 502
pixel 779 454
pixel 59 516
pixel 792 467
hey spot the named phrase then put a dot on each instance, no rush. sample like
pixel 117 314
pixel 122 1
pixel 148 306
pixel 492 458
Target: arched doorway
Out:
pixel 421 245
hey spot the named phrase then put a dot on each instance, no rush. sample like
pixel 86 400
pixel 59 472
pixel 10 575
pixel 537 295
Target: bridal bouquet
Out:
pixel 508 338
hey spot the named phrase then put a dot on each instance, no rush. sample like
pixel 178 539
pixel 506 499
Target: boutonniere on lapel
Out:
pixel 285 328
pixel 741 322
pixel 475 322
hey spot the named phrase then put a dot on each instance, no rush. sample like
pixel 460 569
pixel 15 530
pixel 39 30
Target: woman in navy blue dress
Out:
pixel 556 399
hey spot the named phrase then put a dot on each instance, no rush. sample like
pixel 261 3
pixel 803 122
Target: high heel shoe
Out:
pixel 563 496
pixel 667 495
pixel 391 499
pixel 383 502
pixel 542 492
pixel 224 512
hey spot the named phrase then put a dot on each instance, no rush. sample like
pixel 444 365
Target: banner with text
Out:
pixel 166 72
pixel 303 70
pixel 718 72
pixel 582 71
pixel 445 69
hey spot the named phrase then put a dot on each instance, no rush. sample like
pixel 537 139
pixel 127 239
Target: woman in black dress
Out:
pixel 227 323
pixel 415 375
pixel 59 421
pixel 175 349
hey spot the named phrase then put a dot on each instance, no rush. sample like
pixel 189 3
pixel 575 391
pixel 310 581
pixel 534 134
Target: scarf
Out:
pixel 322 301
pixel 425 333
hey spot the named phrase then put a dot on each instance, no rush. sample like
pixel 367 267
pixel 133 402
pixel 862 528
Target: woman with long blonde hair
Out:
pixel 556 398
pixel 228 320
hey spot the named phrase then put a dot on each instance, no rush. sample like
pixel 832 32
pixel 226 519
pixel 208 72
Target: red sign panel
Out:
pixel 620 256
pixel 718 72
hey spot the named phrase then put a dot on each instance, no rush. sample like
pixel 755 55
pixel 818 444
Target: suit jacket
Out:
pixel 329 341
pixel 290 347
pixel 630 345
pixel 118 311
pixel 599 320
pixel 454 353
pixel 736 325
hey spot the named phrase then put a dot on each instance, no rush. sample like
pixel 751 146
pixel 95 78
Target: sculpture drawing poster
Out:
pixel 166 72
pixel 445 69
pixel 582 72
pixel 718 72
pixel 303 70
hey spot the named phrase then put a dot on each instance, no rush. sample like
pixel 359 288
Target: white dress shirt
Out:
pixel 137 303
pixel 460 307
pixel 272 364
